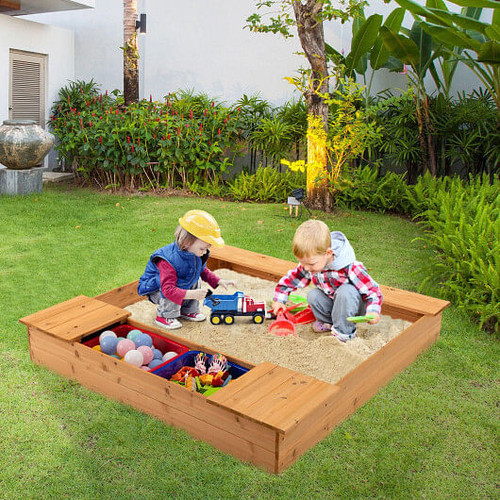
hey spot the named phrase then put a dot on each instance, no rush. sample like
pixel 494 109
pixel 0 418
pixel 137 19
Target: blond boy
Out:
pixel 343 286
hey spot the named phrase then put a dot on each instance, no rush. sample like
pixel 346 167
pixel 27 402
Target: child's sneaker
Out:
pixel 343 337
pixel 168 323
pixel 320 327
pixel 194 316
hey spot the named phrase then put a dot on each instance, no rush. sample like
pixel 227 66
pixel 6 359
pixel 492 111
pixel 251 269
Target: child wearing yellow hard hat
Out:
pixel 173 273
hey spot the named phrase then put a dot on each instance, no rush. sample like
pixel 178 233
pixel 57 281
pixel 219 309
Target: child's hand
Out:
pixel 376 319
pixel 196 294
pixel 278 306
pixel 226 283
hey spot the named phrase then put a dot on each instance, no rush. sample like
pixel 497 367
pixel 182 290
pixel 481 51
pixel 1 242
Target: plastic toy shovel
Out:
pixel 360 319
pixel 281 326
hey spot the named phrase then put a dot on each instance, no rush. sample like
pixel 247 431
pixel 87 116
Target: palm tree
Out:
pixel 130 53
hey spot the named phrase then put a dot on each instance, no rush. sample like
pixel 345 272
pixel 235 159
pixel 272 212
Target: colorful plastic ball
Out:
pixel 133 334
pixel 124 346
pixel 147 353
pixel 154 363
pixel 157 354
pixel 145 368
pixel 107 333
pixel 108 344
pixel 143 339
pixel 97 347
pixel 134 357
pixel 169 355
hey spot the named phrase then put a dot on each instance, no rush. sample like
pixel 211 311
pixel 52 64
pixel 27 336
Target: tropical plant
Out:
pixel 308 17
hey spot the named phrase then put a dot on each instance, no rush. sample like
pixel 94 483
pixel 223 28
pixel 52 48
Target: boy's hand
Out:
pixel 226 283
pixel 278 306
pixel 376 319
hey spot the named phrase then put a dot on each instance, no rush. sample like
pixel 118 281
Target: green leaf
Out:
pixel 451 37
pixel 363 40
pixel 400 47
pixel 379 54
pixel 489 52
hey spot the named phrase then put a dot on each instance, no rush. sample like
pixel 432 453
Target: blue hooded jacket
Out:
pixel 187 266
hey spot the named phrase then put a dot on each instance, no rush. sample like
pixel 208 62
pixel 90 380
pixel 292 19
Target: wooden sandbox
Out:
pixel 270 415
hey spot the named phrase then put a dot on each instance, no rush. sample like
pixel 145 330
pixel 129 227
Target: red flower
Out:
pixel 100 140
pixel 132 148
pixel 191 114
pixel 205 112
pixel 218 131
pixel 128 139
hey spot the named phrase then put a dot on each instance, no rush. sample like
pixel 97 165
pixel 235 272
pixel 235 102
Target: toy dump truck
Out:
pixel 226 307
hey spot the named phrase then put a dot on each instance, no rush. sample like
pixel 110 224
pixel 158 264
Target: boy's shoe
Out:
pixel 194 316
pixel 320 327
pixel 168 323
pixel 343 337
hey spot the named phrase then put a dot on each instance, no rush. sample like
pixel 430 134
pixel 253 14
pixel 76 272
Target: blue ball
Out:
pixel 143 339
pixel 133 334
pixel 154 363
pixel 157 354
pixel 108 344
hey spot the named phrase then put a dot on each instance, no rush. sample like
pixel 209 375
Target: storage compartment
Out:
pixel 188 359
pixel 163 344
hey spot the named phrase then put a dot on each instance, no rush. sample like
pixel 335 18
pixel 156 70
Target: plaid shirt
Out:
pixel 329 280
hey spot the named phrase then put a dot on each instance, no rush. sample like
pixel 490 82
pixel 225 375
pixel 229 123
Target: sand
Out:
pixel 318 355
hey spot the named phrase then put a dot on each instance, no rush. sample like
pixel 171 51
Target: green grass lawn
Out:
pixel 431 433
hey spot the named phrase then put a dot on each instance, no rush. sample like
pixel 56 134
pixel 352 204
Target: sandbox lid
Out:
pixel 277 397
pixel 75 318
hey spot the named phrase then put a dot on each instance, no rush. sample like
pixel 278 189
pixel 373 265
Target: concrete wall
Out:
pixel 202 45
pixel 56 43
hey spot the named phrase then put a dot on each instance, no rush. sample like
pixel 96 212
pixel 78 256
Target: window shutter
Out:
pixel 27 88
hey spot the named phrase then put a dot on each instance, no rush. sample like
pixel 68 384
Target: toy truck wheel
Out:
pixel 215 319
pixel 258 318
pixel 229 320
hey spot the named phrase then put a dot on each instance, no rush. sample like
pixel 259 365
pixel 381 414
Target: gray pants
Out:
pixel 170 310
pixel 346 302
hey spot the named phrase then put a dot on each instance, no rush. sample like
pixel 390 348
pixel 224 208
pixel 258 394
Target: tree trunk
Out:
pixel 130 53
pixel 312 39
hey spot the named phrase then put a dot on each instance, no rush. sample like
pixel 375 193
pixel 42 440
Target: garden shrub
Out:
pixel 462 227
pixel 145 145
pixel 462 224
pixel 266 184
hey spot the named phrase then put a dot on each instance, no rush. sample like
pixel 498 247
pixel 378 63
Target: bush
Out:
pixel 462 223
pixel 146 145
pixel 266 184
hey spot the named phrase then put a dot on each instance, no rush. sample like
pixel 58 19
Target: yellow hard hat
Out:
pixel 202 225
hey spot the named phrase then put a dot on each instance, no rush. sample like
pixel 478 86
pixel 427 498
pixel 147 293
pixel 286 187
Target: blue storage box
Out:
pixel 166 370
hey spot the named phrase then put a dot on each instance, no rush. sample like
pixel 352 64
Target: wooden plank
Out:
pixel 356 388
pixel 226 441
pixel 75 318
pixel 122 296
pixel 71 304
pixel 102 372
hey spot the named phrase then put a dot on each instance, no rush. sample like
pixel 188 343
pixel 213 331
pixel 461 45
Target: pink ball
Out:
pixel 124 346
pixel 134 357
pixel 147 353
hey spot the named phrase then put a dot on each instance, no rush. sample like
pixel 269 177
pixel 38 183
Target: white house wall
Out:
pixel 56 43
pixel 202 45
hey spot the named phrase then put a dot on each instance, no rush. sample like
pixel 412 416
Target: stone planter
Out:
pixel 23 144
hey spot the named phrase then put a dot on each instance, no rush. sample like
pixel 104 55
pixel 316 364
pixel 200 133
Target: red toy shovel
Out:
pixel 281 326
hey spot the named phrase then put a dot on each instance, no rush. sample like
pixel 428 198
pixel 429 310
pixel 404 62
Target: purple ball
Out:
pixel 157 354
pixel 154 363
pixel 143 339
pixel 108 344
